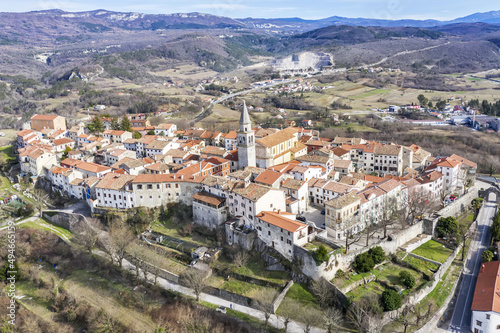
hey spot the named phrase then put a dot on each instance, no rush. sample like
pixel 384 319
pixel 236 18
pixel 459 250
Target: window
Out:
pixel 150 187
pixel 139 187
pixel 488 316
pixel 281 238
pixel 479 323
pixel 176 185
pixel 269 233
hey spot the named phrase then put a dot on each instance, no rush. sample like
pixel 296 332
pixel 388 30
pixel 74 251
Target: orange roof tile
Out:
pixel 279 220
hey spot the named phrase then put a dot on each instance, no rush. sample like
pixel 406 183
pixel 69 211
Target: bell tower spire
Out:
pixel 246 140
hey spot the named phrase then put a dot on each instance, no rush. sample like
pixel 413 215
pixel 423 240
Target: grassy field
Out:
pixel 169 229
pixel 370 93
pixel 7 154
pixel 241 288
pixel 254 269
pixel 422 265
pixel 42 224
pixel 433 250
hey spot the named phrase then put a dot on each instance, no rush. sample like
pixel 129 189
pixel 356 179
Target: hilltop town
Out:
pixel 307 208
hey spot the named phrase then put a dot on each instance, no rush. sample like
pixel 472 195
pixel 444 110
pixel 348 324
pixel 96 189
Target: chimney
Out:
pixel 483 268
pixel 182 177
pixel 279 210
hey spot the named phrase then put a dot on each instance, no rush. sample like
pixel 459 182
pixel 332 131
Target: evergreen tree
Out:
pixel 126 124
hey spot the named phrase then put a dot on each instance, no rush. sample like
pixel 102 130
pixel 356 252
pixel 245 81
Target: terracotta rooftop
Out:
pixel 115 181
pixel 231 135
pixel 166 178
pixel 387 150
pixel 313 159
pixel 283 220
pixel 276 138
pixel 293 184
pixel 342 164
pixel 252 191
pixel 62 141
pixel 487 292
pixel 208 198
pixel 465 161
pixel 339 151
pixel 44 117
pixel 345 200
pixel 268 177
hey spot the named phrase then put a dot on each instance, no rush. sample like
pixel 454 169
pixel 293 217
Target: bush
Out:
pixel 363 263
pixel 391 300
pixel 340 273
pixel 366 261
pixel 407 279
pixel 321 254
pixel 487 256
pixel 447 226
pixel 378 255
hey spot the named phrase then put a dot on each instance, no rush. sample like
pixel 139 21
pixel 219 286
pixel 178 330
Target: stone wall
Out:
pixel 460 205
pixel 281 296
pixel 65 220
pixel 152 269
pixel 424 259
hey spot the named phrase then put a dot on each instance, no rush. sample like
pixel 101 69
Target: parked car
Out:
pixel 300 218
pixel 452 197
pixel 221 309
pixel 323 212
pixel 323 226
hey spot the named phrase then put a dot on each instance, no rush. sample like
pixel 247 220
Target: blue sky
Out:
pixel 312 9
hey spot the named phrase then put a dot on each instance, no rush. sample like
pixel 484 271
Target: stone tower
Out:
pixel 246 140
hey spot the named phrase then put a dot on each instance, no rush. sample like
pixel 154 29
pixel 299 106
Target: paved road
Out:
pixel 460 321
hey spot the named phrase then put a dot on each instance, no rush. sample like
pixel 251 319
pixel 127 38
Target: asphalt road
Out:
pixel 460 321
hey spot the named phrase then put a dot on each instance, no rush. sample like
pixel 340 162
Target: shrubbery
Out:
pixel 407 279
pixel 366 261
pixel 447 226
pixel 390 300
pixel 321 254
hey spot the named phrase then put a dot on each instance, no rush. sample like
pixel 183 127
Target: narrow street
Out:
pixel 460 321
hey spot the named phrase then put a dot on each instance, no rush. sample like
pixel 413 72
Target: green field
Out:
pixel 371 93
pixel 42 224
pixel 434 251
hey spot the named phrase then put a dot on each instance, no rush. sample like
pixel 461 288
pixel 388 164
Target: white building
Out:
pixel 280 231
pixel 115 191
pixel 486 302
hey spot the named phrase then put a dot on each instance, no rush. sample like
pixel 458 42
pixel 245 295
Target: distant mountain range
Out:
pixel 298 24
pixel 140 21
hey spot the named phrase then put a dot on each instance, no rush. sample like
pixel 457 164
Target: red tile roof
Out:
pixel 279 220
pixel 487 292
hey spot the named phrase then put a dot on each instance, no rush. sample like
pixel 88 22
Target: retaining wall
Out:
pixel 65 220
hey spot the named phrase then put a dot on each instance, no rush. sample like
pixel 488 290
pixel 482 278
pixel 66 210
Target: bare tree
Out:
pixel 356 317
pixel 288 310
pixel 120 238
pixel 419 203
pixel 323 291
pixel 332 318
pixel 87 233
pixel 310 317
pixel 196 280
pixel 404 318
pixel 370 230
pixel 266 299
pixel 389 214
pixel 39 196
pixel 443 194
pixel 351 238
pixel 241 258
pixel 422 312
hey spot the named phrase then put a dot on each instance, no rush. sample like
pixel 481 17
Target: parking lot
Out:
pixel 313 214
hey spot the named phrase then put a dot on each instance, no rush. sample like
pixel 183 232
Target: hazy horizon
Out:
pixel 315 9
